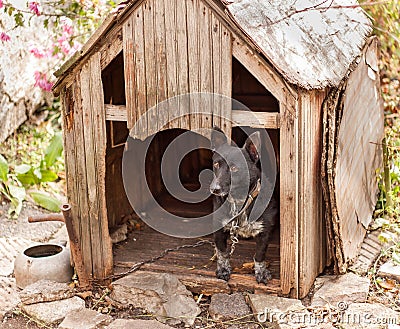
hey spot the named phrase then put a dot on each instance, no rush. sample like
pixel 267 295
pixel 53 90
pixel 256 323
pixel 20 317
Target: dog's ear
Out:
pixel 218 138
pixel 253 146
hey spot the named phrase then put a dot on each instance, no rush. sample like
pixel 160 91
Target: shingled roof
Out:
pixel 312 43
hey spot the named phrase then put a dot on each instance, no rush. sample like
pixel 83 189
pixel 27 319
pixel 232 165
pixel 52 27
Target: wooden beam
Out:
pixel 267 120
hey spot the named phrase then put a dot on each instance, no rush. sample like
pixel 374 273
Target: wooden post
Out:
pixel 289 202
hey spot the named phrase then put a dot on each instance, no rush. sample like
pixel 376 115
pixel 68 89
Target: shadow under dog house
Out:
pixel 308 73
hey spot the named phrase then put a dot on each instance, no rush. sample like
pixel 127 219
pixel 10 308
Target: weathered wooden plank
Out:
pixel 172 58
pixel 267 120
pixel 289 200
pixel 116 112
pixel 82 220
pixel 182 62
pixel 216 37
pixel 193 27
pixel 206 65
pixel 311 222
pixel 68 126
pixel 161 59
pixel 150 63
pixel 141 107
pixel 130 71
pixel 100 135
pixel 95 147
pixel 226 83
pixel 111 48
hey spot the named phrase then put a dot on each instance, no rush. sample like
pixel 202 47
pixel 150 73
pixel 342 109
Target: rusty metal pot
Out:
pixel 43 261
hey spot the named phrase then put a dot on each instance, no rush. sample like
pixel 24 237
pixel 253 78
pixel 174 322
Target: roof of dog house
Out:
pixel 311 43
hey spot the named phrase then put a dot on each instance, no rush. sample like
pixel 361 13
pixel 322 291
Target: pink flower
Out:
pixel 42 82
pixel 38 53
pixel 34 7
pixel 67 29
pixel 4 36
pixel 1 4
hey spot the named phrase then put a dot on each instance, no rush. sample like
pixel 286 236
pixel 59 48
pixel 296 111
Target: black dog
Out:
pixel 238 182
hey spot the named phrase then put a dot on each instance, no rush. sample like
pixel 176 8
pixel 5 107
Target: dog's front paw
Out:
pixel 224 269
pixel 223 273
pixel 263 275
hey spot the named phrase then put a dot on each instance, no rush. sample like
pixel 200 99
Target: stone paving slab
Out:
pixel 226 307
pixel 52 312
pixel 348 288
pixel 85 319
pixel 137 324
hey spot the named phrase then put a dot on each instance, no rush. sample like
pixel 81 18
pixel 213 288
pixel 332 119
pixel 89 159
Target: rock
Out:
pixel 52 312
pixel 263 304
pixel 225 307
pixel 390 270
pixel 119 234
pixel 85 319
pixel 371 316
pixel 159 293
pixel 8 296
pixel 137 324
pixel 347 288
pixel 45 291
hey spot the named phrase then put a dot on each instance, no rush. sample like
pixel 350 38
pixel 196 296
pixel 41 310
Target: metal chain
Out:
pixel 137 266
pixel 233 236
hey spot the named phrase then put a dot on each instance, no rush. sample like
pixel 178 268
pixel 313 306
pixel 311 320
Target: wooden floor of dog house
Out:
pixel 193 266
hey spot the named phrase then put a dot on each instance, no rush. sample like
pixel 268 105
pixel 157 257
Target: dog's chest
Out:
pixel 241 226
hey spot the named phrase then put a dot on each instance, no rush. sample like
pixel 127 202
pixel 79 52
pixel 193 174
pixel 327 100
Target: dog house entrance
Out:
pixel 192 265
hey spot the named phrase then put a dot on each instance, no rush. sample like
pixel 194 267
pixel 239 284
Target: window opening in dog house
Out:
pixel 249 91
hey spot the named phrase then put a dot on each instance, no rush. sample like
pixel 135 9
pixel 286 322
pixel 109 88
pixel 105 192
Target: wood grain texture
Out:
pixel 96 222
pixel 111 48
pixel 312 228
pixel 268 120
pixel 181 35
pixel 289 201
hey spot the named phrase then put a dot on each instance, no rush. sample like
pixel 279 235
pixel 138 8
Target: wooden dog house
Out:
pixel 309 74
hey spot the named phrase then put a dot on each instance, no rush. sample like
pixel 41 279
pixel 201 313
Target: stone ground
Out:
pixel 337 302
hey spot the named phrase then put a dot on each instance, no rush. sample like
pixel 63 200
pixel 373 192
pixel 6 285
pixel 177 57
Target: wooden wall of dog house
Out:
pixel 194 54
pixel 85 145
pixel 289 202
pixel 312 226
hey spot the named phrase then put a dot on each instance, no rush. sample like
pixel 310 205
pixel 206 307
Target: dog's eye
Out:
pixel 216 165
pixel 234 168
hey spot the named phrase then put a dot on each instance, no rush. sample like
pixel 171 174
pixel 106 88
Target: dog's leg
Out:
pixel 263 275
pixel 223 266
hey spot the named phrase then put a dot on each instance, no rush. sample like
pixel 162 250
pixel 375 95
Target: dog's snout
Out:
pixel 215 187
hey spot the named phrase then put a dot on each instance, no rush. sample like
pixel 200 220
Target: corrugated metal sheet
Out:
pixel 312 43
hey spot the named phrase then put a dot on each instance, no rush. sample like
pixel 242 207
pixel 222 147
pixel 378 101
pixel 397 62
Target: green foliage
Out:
pixel 386 19
pixel 46 201
pixel 34 167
